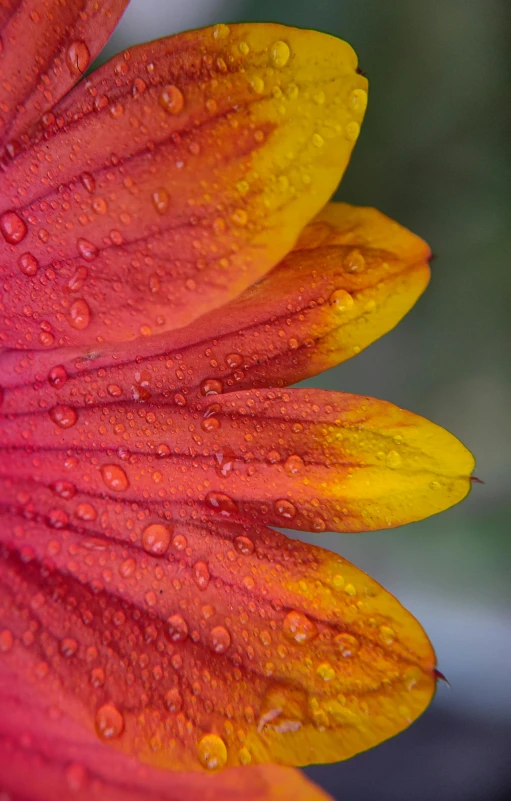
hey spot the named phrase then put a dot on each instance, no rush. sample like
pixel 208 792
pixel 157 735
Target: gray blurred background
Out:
pixel 434 153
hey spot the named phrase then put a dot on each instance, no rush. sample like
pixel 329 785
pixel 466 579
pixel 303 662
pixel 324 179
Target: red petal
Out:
pixel 228 645
pixel 47 46
pixel 168 183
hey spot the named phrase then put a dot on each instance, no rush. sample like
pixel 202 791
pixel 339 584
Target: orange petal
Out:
pixel 173 178
pixel 190 640
pixel 46 48
pixel 54 759
pixel 305 459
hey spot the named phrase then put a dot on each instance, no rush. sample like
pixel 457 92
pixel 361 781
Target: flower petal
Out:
pixel 173 178
pixel 46 48
pixel 195 641
pixel 52 758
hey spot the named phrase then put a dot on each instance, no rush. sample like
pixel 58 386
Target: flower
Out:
pixel 156 304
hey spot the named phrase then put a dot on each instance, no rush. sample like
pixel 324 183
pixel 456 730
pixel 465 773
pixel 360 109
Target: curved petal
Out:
pixel 52 758
pixel 173 178
pixel 197 642
pixel 46 48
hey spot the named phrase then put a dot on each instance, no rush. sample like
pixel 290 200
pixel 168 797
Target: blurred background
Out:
pixel 434 153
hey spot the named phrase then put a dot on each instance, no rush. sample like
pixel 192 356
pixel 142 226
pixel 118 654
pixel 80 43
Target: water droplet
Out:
pixel 79 314
pixel 219 639
pixel 221 503
pixel 221 31
pixel 280 54
pixel 57 376
pixel 78 57
pixel 88 182
pixel 76 777
pixel 160 198
pixel 64 489
pixel 294 464
pixel 171 99
pixel 13 228
pixel 114 477
pixel 285 509
pixel 68 647
pixel 201 575
pixel 177 628
pixel 341 300
pixel 97 677
pixel 86 512
pixel 109 722
pixel 352 131
pixel 354 262
pixel 162 451
pixel 239 217
pixel 387 635
pixel 211 386
pixel 257 84
pixel 317 140
pixel 358 100
pixel 28 264
pixel 243 48
pixel 393 460
pixel 347 645
pixel 156 539
pixel 299 628
pixel 244 545
pixel 63 416
pixel 234 360
pixel 325 671
pixel 87 250
pixel 174 700
pixel 127 568
pixel 212 752
pixel 225 461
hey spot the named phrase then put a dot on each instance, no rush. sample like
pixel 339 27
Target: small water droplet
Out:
pixel 177 628
pixel 88 182
pixel 244 545
pixel 109 722
pixel 325 671
pixel 174 700
pixel 211 386
pixel 201 575
pixel 212 752
pixel 393 460
pixel 85 512
pixel 6 641
pixel 86 249
pixel 347 645
pixel 317 140
pixel 57 376
pixel 387 635
pixel 280 54
pixel 78 57
pixel 156 539
pixel 294 464
pixel 221 503
pixel 285 509
pixel 354 262
pixel 12 227
pixel 63 416
pixel 171 99
pixel 114 477
pixel 28 264
pixel 352 131
pixel 221 31
pixel 341 300
pixel 358 100
pixel 160 198
pixel 299 628
pixel 79 315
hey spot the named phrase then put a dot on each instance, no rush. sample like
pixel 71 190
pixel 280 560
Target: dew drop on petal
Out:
pixel 63 416
pixel 156 539
pixel 6 641
pixel 78 57
pixel 294 464
pixel 212 752
pixel 114 477
pixel 57 376
pixel 109 722
pixel 160 198
pixel 346 644
pixel 28 264
pixel 87 250
pixel 173 700
pixel 280 54
pixel 299 628
pixel 341 300
pixel 201 575
pixel 177 628
pixel 221 503
pixel 171 99
pixel 354 262
pixel 285 509
pixel 211 386
pixel 244 545
pixel 79 314
pixel 12 227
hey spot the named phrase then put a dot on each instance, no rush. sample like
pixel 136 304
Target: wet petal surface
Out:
pixel 171 179
pixel 46 47
pixel 211 643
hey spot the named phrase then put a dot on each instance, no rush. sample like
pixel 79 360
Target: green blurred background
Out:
pixel 434 153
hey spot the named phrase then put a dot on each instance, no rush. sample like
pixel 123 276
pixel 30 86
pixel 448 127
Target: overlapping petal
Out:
pixel 171 179
pixel 44 756
pixel 46 47
pixel 198 641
